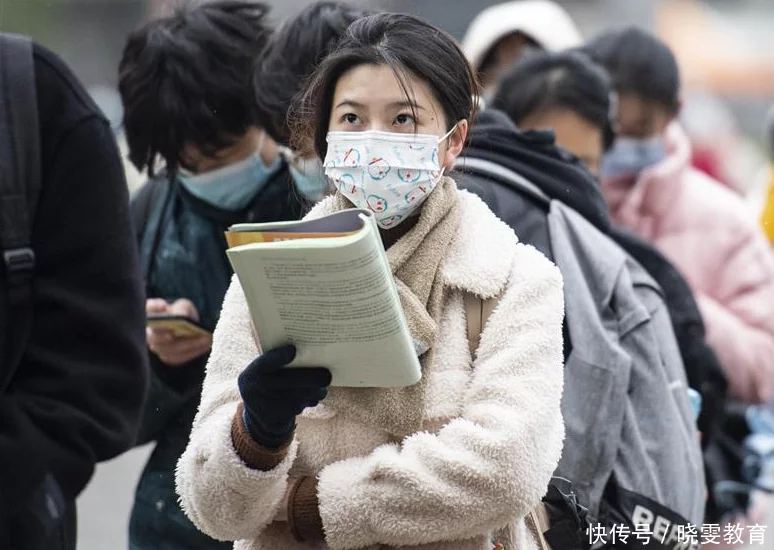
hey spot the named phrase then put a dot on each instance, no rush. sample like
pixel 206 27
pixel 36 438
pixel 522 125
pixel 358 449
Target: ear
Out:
pixel 456 142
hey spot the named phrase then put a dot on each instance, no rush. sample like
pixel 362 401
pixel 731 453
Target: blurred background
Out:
pixel 725 49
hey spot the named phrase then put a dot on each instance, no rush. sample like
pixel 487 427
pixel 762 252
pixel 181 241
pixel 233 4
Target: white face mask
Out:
pixel 388 173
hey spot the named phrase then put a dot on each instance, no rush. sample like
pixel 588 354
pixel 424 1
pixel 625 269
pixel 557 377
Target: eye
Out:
pixel 350 118
pixel 404 119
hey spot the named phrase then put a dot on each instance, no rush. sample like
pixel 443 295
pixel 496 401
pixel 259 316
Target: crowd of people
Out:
pixel 618 378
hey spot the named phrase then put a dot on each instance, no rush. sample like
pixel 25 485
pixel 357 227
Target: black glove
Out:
pixel 274 395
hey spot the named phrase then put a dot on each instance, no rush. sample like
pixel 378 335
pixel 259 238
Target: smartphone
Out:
pixel 181 327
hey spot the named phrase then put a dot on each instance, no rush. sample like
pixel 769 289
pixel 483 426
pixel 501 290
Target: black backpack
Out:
pixel 19 189
pixel 42 513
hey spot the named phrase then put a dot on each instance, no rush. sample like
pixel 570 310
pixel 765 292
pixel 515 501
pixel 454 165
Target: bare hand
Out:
pixel 172 350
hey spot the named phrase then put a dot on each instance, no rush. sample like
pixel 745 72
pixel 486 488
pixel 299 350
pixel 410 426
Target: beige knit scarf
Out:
pixel 415 261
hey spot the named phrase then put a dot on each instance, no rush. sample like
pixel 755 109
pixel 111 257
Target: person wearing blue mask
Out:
pixel 293 53
pixel 703 228
pixel 185 82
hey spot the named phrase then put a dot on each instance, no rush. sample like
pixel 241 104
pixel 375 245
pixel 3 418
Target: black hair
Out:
pixel 569 80
pixel 185 79
pixel 293 54
pixel 639 63
pixel 406 44
pixel 490 57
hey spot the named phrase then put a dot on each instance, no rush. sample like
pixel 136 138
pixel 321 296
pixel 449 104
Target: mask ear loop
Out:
pixel 449 134
pixel 277 151
pixel 443 138
pixel 290 156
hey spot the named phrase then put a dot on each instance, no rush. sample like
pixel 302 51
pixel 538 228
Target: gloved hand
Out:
pixel 274 395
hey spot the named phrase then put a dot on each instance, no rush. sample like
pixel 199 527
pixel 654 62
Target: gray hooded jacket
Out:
pixel 625 405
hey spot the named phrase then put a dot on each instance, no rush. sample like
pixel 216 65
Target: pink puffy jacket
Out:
pixel 710 236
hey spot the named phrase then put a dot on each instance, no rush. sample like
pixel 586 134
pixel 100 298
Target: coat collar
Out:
pixel 479 258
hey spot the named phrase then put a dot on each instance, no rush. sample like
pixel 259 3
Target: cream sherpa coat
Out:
pixel 493 429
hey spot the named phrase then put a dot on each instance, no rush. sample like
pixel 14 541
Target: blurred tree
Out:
pixel 25 17
pixel 88 34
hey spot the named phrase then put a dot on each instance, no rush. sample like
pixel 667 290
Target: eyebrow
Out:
pixel 393 105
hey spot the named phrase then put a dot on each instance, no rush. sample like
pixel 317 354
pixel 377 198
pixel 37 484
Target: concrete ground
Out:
pixel 103 509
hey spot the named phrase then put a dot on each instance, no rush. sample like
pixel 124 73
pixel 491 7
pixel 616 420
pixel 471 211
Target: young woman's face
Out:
pixel 370 97
pixel 573 132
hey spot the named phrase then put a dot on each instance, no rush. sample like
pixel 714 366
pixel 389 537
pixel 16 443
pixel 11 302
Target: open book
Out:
pixel 325 285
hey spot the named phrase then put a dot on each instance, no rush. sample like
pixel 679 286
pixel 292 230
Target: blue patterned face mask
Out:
pixel 231 187
pixel 389 173
pixel 630 156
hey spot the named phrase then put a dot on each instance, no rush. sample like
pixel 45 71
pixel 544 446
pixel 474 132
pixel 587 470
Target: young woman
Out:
pixel 276 459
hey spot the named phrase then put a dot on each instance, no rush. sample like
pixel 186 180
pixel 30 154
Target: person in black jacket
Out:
pixel 76 396
pixel 570 95
pixel 185 82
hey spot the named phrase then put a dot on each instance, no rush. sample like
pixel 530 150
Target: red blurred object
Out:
pixel 708 161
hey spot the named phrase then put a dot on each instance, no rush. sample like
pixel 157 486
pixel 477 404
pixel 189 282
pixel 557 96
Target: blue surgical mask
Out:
pixel 231 187
pixel 308 175
pixel 630 156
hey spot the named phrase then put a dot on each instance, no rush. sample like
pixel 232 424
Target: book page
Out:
pixel 346 221
pixel 338 306
pixel 240 238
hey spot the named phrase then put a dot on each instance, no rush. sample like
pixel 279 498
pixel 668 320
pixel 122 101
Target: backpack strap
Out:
pixel 141 207
pixel 492 170
pixel 20 176
pixel 147 223
pixel 538 523
pixel 477 312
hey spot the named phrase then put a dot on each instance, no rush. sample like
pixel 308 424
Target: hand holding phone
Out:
pixel 173 331
pixel 179 325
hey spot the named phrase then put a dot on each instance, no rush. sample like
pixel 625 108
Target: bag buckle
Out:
pixel 19 261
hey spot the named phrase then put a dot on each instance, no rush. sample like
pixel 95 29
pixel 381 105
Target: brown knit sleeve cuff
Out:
pixel 304 518
pixel 254 455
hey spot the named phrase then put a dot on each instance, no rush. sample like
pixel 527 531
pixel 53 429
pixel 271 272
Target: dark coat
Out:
pixel 76 397
pixel 182 249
